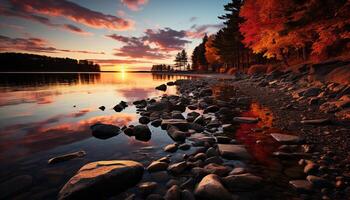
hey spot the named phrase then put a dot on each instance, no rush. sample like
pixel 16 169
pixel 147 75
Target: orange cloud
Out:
pixel 134 4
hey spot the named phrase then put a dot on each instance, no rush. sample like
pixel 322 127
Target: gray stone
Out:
pixel 102 179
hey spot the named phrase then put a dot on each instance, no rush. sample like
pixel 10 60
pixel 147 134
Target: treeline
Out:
pixel 162 68
pixel 181 64
pixel 272 31
pixel 19 62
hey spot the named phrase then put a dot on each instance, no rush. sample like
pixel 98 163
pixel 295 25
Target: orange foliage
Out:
pixel 211 53
pixel 275 27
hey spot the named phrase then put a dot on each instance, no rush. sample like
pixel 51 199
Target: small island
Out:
pixel 21 62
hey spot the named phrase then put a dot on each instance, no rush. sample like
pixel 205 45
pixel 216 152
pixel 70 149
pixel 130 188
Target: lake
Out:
pixel 46 115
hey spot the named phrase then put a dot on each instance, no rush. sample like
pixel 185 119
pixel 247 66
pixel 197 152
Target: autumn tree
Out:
pixel 211 54
pixel 281 28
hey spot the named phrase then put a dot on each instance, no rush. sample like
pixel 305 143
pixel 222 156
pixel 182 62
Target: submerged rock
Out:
pixel 66 157
pixel 104 131
pixel 102 179
pixel 210 188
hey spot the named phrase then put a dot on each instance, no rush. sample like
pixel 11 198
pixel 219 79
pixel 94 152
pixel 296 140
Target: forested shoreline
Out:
pixel 20 62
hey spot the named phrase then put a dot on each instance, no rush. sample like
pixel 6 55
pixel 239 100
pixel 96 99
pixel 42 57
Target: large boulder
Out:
pixel 211 188
pixel 104 131
pixel 102 179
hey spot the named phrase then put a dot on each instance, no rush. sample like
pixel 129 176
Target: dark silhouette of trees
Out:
pixel 199 61
pixel 19 62
pixel 181 60
pixel 161 68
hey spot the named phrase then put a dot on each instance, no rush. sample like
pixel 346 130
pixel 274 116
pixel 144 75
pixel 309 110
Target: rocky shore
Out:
pixel 298 149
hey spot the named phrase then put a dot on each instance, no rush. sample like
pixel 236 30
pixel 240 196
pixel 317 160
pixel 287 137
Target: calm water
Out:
pixel 45 115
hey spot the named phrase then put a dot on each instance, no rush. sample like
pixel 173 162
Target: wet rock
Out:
pixel 142 133
pixel 66 157
pixel 231 151
pixel 219 170
pixel 212 152
pixel 301 186
pixel 104 131
pixel 144 120
pixel 156 122
pixel 174 193
pixel 199 172
pixel 102 179
pixel 228 128
pixel 310 168
pixel 171 148
pixel 211 109
pixel 147 188
pixel 287 139
pixel 129 131
pixel 102 108
pixel 318 181
pixel 15 185
pixel 170 83
pixel 157 166
pixel 312 92
pixel 200 156
pixel 184 146
pixel 187 195
pixel 211 188
pixel 248 120
pixel 162 87
pixel 177 168
pixel 223 139
pixel 154 197
pixel 181 124
pixel 205 92
pixel 215 159
pixel 242 182
pixel 238 170
pixel 177 116
pixel 316 122
pixel 176 134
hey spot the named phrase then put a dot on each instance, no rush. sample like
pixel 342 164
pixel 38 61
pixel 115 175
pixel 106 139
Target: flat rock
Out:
pixel 181 124
pixel 232 151
pixel 286 139
pixel 247 120
pixel 102 179
pixel 241 182
pixel 316 121
pixel 302 186
pixel 66 157
pixel 104 131
pixel 211 188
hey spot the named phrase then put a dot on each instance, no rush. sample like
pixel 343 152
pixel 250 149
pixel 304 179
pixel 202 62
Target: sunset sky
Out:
pixel 117 34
